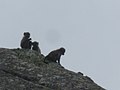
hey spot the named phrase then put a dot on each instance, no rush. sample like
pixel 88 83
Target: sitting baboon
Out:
pixel 26 41
pixel 54 56
pixel 36 46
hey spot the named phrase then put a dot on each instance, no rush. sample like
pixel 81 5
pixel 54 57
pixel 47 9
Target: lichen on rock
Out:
pixel 25 70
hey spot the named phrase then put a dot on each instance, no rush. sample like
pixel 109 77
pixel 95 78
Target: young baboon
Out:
pixel 26 41
pixel 54 56
pixel 36 46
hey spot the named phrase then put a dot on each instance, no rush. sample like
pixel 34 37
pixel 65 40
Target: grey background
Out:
pixel 88 29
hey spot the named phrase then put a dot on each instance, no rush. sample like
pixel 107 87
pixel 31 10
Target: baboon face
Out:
pixel 27 34
pixel 62 50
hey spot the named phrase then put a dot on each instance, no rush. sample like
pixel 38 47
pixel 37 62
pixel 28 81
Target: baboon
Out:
pixel 26 42
pixel 36 46
pixel 54 56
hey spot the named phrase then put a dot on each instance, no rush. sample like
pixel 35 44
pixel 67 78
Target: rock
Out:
pixel 25 70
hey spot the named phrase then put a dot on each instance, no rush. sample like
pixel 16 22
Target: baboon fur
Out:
pixel 26 41
pixel 36 46
pixel 54 56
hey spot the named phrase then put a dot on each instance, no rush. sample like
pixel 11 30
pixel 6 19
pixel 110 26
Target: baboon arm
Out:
pixel 59 59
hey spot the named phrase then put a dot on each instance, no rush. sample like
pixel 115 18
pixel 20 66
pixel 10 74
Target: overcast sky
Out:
pixel 88 29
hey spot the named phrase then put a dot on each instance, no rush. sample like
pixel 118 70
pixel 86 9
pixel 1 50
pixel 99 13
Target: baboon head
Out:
pixel 35 43
pixel 62 50
pixel 27 34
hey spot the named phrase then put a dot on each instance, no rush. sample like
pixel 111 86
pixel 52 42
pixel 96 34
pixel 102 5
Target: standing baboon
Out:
pixel 26 41
pixel 54 56
pixel 36 46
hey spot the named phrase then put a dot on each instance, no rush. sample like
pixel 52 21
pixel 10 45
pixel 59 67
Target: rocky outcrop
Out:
pixel 25 70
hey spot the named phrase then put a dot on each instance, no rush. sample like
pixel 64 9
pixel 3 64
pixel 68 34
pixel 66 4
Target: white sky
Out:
pixel 88 29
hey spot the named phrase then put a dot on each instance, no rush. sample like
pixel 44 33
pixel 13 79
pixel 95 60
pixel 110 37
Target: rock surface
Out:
pixel 25 70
